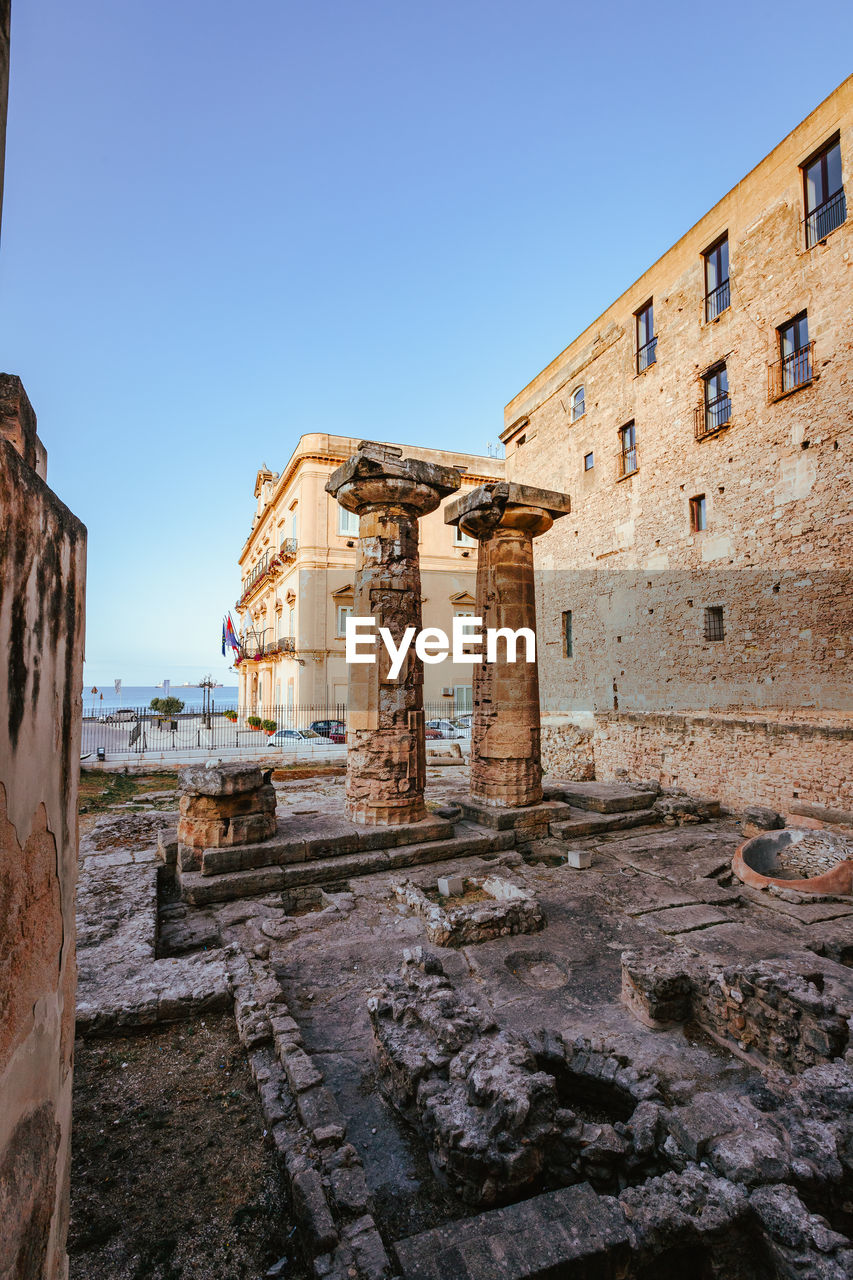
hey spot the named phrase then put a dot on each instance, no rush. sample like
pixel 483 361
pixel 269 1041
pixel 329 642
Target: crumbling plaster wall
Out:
pixel 42 584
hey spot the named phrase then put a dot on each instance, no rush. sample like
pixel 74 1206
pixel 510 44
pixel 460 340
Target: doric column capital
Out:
pixel 520 508
pixel 378 476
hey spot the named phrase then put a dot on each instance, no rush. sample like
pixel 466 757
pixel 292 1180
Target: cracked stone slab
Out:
pixel 685 919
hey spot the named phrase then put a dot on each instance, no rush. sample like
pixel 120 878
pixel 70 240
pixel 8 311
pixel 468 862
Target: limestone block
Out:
pixel 220 779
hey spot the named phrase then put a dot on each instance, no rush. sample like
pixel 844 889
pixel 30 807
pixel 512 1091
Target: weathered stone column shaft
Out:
pixel 386 751
pixel 506 764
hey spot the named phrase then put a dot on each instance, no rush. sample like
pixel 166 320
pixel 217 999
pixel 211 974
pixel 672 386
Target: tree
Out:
pixel 167 706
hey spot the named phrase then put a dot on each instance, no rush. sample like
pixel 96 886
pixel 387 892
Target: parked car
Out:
pixel 294 735
pixel 335 730
pixel 446 729
pixel 431 734
pixel 464 721
pixel 120 716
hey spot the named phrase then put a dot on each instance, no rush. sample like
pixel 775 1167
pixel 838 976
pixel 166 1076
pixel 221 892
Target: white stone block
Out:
pixel 578 858
pixel 451 886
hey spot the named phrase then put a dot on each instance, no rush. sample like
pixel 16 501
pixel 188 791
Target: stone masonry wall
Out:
pixel 777 483
pixel 775 764
pixel 42 582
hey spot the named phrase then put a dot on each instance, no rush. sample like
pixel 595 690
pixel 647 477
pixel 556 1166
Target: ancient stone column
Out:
pixel 386 756
pixel 506 765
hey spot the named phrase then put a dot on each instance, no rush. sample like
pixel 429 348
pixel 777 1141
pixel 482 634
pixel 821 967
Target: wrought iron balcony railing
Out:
pixel 791 372
pixel 647 354
pixel 712 416
pixel 825 218
pixel 626 462
pixel 269 563
pixel 256 650
pixel 717 301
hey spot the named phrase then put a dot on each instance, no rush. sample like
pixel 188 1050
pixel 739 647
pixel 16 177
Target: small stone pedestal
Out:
pixel 506 764
pixel 386 757
pixel 223 805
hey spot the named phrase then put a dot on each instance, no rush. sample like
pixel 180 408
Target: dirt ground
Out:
pixel 170 1176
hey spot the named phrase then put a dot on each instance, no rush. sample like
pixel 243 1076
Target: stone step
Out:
pixel 601 797
pixel 585 823
pixel 468 841
pixel 307 837
pixel 571 1233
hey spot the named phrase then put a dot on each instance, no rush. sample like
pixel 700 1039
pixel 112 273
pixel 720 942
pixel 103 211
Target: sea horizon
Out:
pixel 140 695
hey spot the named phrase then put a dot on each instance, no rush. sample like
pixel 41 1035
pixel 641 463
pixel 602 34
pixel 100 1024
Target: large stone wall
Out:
pixel 42 584
pixel 778 764
pixel 778 488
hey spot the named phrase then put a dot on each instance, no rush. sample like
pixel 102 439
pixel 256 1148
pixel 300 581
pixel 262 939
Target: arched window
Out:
pixel 578 408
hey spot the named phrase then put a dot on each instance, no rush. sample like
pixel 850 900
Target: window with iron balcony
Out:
pixel 823 193
pixel 627 459
pixel 646 341
pixel 715 412
pixel 717 293
pixel 795 366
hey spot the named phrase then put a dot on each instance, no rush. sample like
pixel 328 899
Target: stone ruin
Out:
pixel 499 910
pixel 651 1188
pixel 570 1154
pixel 223 805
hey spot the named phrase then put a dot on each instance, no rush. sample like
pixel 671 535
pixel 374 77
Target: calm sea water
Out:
pixel 141 695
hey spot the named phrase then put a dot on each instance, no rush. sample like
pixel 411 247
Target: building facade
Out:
pixel 298 571
pixel 695 609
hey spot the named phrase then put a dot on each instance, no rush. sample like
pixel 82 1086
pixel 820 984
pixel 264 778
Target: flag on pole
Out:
pixel 223 637
pixel 230 636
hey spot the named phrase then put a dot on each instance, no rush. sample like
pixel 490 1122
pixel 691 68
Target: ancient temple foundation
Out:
pixel 386 758
pixel 506 766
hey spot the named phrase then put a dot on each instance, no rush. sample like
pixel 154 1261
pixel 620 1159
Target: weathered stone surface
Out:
pixel 386 756
pixel 508 910
pixel 506 765
pixel 570 1233
pixel 218 779
pixel 603 797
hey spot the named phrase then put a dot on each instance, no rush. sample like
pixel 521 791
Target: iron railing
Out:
pixel 717 301
pixel 647 354
pixel 254 651
pixel 825 218
pixel 791 372
pixel 269 563
pixel 139 730
pixel 626 462
pixel 712 416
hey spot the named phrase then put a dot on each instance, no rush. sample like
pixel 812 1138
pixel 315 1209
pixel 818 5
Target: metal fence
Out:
pixel 309 729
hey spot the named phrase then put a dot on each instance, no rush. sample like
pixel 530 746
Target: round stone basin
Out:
pixel 759 861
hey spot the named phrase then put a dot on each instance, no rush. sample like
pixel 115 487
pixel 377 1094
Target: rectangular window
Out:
pixel 461 539
pixel 588 461
pixel 826 204
pixel 646 340
pixel 567 634
pixel 627 462
pixel 698 514
pixel 717 297
pixel 716 411
pixel 347 523
pixel 714 625
pixel 344 611
pixel 795 354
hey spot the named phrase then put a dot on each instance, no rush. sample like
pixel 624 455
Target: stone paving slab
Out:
pixel 602 797
pixel 685 919
pixel 572 1233
pixel 804 912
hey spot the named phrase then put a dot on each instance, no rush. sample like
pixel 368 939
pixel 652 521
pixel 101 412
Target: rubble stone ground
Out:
pixel 495 1109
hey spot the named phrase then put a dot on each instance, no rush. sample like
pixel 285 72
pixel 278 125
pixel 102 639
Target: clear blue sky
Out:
pixel 226 225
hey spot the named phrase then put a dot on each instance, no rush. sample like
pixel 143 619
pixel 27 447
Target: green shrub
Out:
pixel 254 722
pixel 166 706
pixel 269 725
